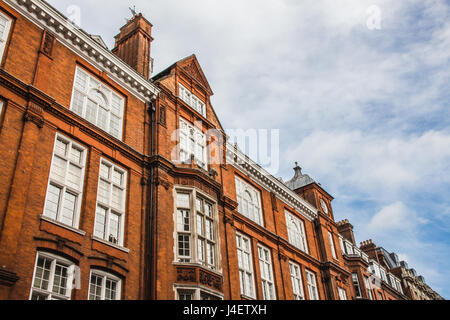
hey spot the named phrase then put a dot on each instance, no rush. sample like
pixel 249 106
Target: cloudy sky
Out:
pixel 361 103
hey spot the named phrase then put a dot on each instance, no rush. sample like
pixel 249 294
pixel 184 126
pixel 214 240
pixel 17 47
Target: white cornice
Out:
pixel 242 162
pixel 44 16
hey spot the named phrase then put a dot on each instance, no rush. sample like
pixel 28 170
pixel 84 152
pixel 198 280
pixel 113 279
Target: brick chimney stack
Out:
pixel 345 228
pixel 133 44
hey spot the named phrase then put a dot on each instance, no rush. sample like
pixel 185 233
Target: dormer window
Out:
pixel 97 103
pixel 192 100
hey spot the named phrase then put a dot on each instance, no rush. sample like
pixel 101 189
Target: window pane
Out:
pixel 58 169
pixel 102 118
pixel 117 198
pixel 183 200
pixel 95 287
pixel 42 273
pixel 74 177
pixel 100 222
pixel 110 290
pixel 104 171
pixel 60 279
pixel 77 103
pixel 103 191
pixel 183 220
pixel 51 206
pixel 114 225
pixel 68 209
pixel 60 147
pixel 91 111
pixel 117 177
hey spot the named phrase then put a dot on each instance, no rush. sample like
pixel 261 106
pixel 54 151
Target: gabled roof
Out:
pixel 192 67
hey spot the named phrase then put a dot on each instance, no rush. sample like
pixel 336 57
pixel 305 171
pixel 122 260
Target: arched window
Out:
pixel 97 103
pixel 249 201
pixel 52 278
pixel 296 232
pixel 104 286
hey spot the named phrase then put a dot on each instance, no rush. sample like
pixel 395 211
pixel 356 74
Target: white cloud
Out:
pixel 395 217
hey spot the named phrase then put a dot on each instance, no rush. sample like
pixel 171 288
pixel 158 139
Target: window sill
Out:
pixel 245 297
pixel 62 225
pixel 126 250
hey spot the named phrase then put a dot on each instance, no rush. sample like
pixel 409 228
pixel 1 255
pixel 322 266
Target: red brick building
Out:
pixel 116 185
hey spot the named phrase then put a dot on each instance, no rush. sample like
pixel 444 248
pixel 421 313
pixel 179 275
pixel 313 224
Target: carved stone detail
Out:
pixel 210 280
pixel 186 275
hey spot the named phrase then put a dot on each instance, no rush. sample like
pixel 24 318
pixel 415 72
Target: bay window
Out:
pixel 197 227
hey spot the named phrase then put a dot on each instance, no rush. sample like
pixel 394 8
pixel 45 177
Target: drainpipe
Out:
pixel 151 272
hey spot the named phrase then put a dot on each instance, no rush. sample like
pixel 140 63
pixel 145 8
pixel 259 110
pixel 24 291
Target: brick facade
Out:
pixel 37 75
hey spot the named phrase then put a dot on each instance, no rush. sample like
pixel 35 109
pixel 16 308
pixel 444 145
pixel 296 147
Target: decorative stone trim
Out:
pixel 243 163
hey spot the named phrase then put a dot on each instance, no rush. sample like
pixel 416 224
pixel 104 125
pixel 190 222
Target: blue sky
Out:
pixel 364 111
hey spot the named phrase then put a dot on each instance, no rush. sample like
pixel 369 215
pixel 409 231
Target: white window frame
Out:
pixel 1 107
pixel 245 266
pixel 191 100
pixel 5 35
pixel 250 208
pixel 368 287
pixel 267 279
pixel 312 285
pixel 348 247
pixel 55 260
pixel 192 141
pixel 196 293
pixel 113 108
pixel 296 232
pixel 355 281
pixel 342 294
pixel 105 276
pixel 341 243
pixel 197 232
pixel 333 250
pixel 64 186
pixel 297 281
pixel 108 207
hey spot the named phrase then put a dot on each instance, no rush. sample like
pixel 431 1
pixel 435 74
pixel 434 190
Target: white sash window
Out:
pixel 111 194
pixel 64 191
pixel 5 25
pixel 244 253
